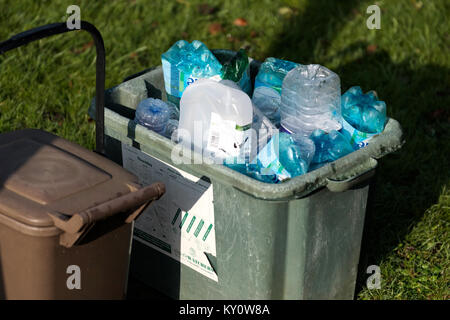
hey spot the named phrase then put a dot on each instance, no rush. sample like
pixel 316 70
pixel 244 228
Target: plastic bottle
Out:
pixel 286 157
pixel 174 112
pixel 364 116
pixel 171 127
pixel 184 63
pixel 220 115
pixel 237 69
pixel 329 146
pixel 263 128
pixel 268 82
pixel 310 100
pixel 153 114
pixel 254 171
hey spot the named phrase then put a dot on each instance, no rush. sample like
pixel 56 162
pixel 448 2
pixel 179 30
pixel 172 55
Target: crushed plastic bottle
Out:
pixel 329 147
pixel 174 112
pixel 263 130
pixel 237 69
pixel 253 170
pixel 310 100
pixel 153 114
pixel 268 83
pixel 364 116
pixel 171 127
pixel 184 63
pixel 286 157
pixel 220 115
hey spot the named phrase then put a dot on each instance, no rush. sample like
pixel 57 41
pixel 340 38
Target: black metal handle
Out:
pixel 57 28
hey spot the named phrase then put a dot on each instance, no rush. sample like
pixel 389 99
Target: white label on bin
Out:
pixel 181 223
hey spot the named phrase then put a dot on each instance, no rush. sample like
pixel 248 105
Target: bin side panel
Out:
pixel 103 263
pixel 27 265
pixel 156 270
pixel 247 231
pixel 251 241
pixel 39 268
pixel 334 227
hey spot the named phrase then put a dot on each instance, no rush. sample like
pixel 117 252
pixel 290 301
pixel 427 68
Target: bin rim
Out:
pixel 349 167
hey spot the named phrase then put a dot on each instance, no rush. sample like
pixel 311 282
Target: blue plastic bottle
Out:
pixel 184 63
pixel 364 116
pixel 268 82
pixel 329 147
pixel 153 114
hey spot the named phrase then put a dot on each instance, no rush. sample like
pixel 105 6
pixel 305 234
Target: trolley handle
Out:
pixel 58 28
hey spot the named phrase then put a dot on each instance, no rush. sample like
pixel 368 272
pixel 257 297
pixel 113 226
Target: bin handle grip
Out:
pixel 58 28
pixel 357 179
pixel 75 227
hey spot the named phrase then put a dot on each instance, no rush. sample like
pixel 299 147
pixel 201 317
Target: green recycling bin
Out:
pixel 218 234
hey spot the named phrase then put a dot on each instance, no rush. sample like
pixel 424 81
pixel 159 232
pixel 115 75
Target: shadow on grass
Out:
pixel 409 181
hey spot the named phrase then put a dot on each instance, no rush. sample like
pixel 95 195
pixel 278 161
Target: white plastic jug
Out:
pixel 216 120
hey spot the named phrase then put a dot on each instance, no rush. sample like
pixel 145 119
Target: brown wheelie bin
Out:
pixel 66 213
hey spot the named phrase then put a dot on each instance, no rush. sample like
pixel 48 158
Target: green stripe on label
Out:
pixel 152 240
pixel 243 128
pixel 183 220
pixel 181 82
pixel 199 227
pixel 190 224
pixel 143 161
pixel 176 216
pixel 276 166
pixel 207 232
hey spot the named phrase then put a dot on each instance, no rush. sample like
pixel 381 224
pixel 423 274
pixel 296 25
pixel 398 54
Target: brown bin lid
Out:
pixel 40 172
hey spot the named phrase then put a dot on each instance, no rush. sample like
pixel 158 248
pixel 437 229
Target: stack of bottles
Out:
pixel 295 122
pixel 184 63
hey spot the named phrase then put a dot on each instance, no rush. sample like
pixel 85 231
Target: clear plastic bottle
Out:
pixel 310 100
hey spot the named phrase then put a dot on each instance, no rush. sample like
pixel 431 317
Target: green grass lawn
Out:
pixel 49 85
